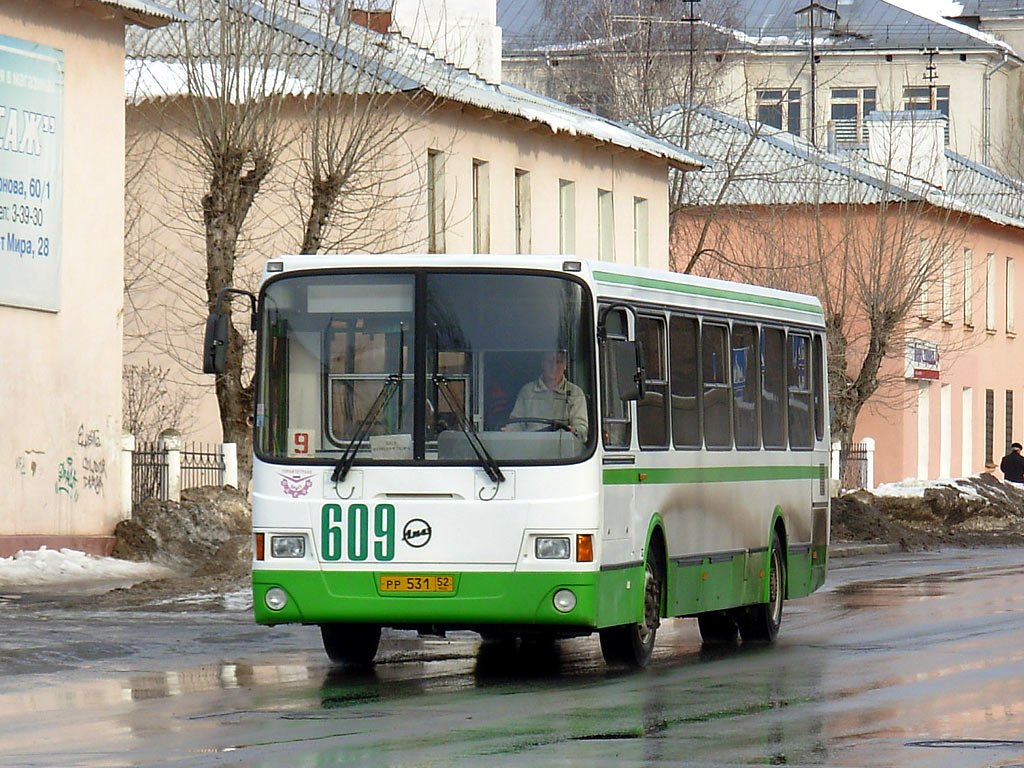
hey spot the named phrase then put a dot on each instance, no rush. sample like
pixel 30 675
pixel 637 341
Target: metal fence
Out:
pixel 161 469
pixel 149 472
pixel 201 464
pixel 853 467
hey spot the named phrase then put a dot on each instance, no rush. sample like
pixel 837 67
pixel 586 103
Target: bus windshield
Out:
pixel 404 365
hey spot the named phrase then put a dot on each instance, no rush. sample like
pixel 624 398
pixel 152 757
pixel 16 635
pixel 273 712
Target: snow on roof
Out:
pixel 153 70
pixel 147 9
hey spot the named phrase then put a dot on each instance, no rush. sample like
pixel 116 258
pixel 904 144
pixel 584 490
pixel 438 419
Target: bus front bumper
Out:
pixel 477 598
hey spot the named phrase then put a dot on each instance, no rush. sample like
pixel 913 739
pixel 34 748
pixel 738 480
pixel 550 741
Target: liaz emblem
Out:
pixel 416 533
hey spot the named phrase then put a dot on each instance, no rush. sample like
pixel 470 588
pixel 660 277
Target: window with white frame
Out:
pixel 435 202
pixel 566 216
pixel 780 109
pixel 1010 326
pixel 919 98
pixel 849 108
pixel 605 225
pixel 968 287
pixel 481 207
pixel 524 232
pixel 641 255
pixel 990 292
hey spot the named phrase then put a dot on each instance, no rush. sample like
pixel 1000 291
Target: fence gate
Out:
pixel 149 472
pixel 161 469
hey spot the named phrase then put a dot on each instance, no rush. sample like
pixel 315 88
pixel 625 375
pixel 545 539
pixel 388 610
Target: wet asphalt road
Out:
pixel 902 660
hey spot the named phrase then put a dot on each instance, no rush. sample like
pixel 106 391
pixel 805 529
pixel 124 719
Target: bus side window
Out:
pixel 616 425
pixel 819 388
pixel 745 385
pixel 799 379
pixel 685 372
pixel 715 378
pixel 773 388
pixel 652 410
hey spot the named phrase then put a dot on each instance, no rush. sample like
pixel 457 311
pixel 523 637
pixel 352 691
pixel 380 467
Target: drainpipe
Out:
pixel 986 114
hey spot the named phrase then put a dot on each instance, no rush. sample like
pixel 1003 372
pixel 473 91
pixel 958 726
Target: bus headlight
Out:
pixel 565 600
pixel 288 546
pixel 552 548
pixel 276 598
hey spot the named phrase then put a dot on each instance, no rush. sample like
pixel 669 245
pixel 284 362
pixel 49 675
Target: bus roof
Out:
pixel 608 279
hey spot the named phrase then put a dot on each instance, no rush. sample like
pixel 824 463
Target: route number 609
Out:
pixel 348 531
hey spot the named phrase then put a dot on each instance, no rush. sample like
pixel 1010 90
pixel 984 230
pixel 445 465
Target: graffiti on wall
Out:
pixel 89 472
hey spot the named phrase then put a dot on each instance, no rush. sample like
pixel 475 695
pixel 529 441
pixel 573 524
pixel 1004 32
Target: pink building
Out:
pixel 912 249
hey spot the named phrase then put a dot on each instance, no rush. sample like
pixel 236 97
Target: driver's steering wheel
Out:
pixel 553 425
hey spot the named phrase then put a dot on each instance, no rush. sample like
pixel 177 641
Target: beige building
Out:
pixel 486 167
pixel 61 247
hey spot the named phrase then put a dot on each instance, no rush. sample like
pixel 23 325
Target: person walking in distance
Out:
pixel 1012 465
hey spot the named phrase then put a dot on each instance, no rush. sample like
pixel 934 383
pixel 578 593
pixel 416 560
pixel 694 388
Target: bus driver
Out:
pixel 550 401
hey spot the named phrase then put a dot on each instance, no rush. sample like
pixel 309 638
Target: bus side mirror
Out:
pixel 215 343
pixel 627 359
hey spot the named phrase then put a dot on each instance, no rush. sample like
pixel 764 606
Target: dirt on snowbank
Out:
pixel 967 512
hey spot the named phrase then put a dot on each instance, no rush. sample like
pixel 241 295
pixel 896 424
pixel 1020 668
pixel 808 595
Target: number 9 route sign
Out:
pixel 31 173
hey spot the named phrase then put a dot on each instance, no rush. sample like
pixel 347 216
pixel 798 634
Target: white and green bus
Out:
pixel 532 445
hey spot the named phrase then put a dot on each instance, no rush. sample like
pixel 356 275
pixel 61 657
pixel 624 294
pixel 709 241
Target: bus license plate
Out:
pixel 434 583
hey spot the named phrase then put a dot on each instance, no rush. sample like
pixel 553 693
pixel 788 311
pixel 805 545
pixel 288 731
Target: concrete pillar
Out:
pixel 127 449
pixel 869 448
pixel 171 444
pixel 229 454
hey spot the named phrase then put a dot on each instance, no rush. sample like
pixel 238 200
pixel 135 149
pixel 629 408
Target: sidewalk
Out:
pixel 852 549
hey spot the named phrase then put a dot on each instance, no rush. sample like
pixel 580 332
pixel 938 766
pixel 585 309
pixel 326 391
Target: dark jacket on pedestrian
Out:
pixel 1012 465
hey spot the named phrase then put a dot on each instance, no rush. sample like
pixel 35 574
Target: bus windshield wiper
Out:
pixel 391 385
pixel 469 430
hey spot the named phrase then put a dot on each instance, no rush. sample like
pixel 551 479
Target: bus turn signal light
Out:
pixel 258 548
pixel 584 548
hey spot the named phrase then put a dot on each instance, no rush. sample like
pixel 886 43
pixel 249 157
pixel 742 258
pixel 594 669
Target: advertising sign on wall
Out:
pixel 31 173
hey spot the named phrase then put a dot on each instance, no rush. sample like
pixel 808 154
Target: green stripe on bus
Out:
pixel 657 476
pixel 702 290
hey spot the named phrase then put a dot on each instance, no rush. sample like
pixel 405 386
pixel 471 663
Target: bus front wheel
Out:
pixel 760 623
pixel 354 644
pixel 633 644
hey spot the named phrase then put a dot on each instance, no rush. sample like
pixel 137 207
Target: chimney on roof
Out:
pixel 911 142
pixel 377 20
pixel 462 32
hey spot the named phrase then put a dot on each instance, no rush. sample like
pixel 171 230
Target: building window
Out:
pixel 523 219
pixel 435 201
pixel 849 108
pixel 990 418
pixel 605 225
pixel 1010 327
pixel 968 287
pixel 919 98
pixel 641 254
pixel 566 217
pixel 947 283
pixel 1008 431
pixel 990 292
pixel 779 109
pixel 924 265
pixel 481 207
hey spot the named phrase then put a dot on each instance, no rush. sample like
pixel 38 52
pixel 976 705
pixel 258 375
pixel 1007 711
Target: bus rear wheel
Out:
pixel 354 644
pixel 632 644
pixel 760 623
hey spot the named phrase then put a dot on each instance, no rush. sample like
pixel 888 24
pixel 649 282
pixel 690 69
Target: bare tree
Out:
pixel 150 404
pixel 874 245
pixel 254 104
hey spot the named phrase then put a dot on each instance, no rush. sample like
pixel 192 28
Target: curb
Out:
pixel 852 550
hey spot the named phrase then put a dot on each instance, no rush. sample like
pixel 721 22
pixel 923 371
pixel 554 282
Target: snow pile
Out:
pixel 50 566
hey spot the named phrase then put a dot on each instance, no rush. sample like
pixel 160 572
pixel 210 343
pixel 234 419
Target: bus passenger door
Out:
pixel 618 461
